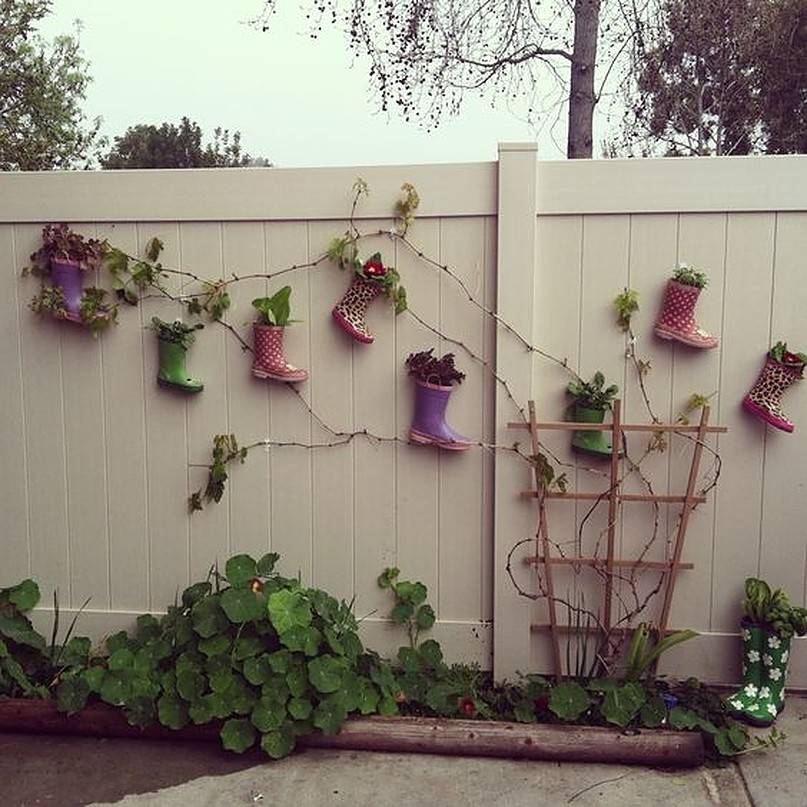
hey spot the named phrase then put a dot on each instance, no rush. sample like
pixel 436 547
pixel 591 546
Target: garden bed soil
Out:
pixel 421 735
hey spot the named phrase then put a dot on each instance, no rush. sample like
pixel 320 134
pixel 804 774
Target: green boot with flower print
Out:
pixel 765 657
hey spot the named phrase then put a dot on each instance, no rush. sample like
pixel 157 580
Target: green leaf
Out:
pixel 240 569
pixel 568 701
pixel 387 707
pixel 122 659
pixel 72 694
pixel 19 630
pixel 683 718
pixel 76 652
pixel 217 705
pixel 195 593
pixel 140 711
pixel 368 697
pixel 410 659
pixel 414 593
pixel 442 698
pixel 190 685
pixel 653 713
pixel 118 641
pixel 297 681
pixel 325 673
pixel 94 676
pixel 24 595
pixel 208 617
pixel 622 704
pixel 247 646
pixel 199 712
pixel 303 640
pixel 329 715
pixel 280 743
pixel 257 670
pixel 115 688
pixel 425 617
pixel 280 662
pixel 431 653
pixel 288 609
pixel 172 712
pixel 266 565
pixel 237 735
pixel 268 714
pixel 300 708
pixel 402 612
pixel 524 712
pixel 241 605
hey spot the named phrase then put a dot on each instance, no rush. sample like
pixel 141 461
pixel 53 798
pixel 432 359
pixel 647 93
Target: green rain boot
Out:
pixel 765 657
pixel 172 368
pixel 596 443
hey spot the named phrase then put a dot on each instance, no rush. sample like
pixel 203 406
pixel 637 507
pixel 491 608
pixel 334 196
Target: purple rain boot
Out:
pixel 429 426
pixel 66 275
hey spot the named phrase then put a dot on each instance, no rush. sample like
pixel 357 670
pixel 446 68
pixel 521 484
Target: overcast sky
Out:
pixel 296 101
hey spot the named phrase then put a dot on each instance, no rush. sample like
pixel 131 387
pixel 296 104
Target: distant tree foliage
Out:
pixel 172 146
pixel 719 77
pixel 42 87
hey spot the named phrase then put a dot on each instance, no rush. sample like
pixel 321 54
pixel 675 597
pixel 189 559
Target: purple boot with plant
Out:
pixel 435 379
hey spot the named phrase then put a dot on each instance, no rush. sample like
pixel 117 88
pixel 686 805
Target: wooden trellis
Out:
pixel 614 497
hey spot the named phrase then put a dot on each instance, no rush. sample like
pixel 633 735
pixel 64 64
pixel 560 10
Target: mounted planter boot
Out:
pixel 67 276
pixel 597 443
pixel 350 311
pixel 429 425
pixel 765 658
pixel 677 318
pixel 270 362
pixel 172 371
pixel 763 401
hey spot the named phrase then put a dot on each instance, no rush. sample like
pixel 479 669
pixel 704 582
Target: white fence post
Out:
pixel 515 301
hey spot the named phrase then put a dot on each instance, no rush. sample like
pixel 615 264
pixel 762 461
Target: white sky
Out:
pixel 296 101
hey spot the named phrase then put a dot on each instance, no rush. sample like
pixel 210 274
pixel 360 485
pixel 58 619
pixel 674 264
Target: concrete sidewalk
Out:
pixel 69 772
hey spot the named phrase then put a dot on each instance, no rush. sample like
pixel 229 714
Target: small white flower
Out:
pixel 774 642
pixel 736 704
pixel 753 655
pixel 746 634
pixel 745 669
pixel 775 673
pixel 772 709
pixel 751 690
pixel 767 659
pixel 764 692
pixel 785 654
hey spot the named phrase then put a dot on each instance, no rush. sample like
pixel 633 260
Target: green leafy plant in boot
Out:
pixel 773 609
pixel 428 368
pixel 780 353
pixel 177 331
pixel 593 394
pixel 96 312
pixel 274 310
pixel 60 243
pixel 689 276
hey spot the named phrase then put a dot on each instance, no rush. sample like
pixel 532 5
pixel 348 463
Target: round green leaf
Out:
pixel 621 704
pixel 94 677
pixel 653 713
pixel 329 715
pixel 240 570
pixel 215 645
pixel 278 744
pixel 266 565
pixel 237 735
pixel 122 659
pixel 288 609
pixel 72 694
pixel 241 605
pixel 568 701
pixel 325 673
pixel 115 688
pixel 425 617
pixel 140 711
pixel 303 640
pixel 247 646
pixel 208 618
pixel 267 715
pixel 190 685
pixel 24 595
pixel 300 708
pixel 172 711
pixel 195 593
pixel 257 670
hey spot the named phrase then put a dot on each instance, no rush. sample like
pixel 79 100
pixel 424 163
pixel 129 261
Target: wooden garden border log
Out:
pixel 421 735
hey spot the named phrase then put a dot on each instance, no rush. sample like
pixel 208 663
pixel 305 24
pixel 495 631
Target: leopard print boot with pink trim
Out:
pixel 763 400
pixel 677 318
pixel 350 311
pixel 270 363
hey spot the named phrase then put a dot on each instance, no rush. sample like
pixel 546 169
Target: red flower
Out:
pixel 542 703
pixel 256 585
pixel 468 707
pixel 374 268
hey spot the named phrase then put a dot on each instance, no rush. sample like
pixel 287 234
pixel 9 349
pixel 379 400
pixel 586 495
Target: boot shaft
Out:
pixel 678 307
pixel 67 275
pixel 774 378
pixel 431 401
pixel 590 442
pixel 350 311
pixel 269 346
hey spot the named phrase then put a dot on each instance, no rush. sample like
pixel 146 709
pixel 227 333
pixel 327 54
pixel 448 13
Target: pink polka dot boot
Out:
pixel 677 318
pixel 270 363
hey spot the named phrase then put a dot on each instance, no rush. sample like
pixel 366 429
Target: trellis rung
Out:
pixel 540 628
pixel 625 497
pixel 563 425
pixel 661 565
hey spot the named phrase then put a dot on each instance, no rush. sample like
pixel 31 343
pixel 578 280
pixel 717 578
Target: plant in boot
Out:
pixel 768 625
pixel 95 312
pixel 270 363
pixel 781 369
pixel 62 259
pixel 435 379
pixel 591 400
pixel 677 317
pixel 370 279
pixel 175 339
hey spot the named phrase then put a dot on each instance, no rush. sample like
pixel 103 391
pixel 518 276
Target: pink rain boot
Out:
pixel 350 310
pixel 776 376
pixel 269 360
pixel 677 317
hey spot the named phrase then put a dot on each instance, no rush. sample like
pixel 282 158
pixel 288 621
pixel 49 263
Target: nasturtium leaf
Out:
pixel 144 687
pixel 333 641
pixel 148 627
pixel 94 677
pixel 299 708
pixel 189 661
pixel 349 691
pixel 217 704
pixel 140 711
pixel 368 697
pixel 118 641
pixel 388 577
pixel 237 735
pixel 737 735
pixel 387 707
pixel 325 673
pixel 115 688
pixel 208 618
pixel 402 612
pixel 240 569
pixel 241 605
pixel 215 645
pixel 221 681
pixel 280 743
pixel 288 609
pixel 653 712
pixel 172 711
pixel 382 676
pixel 72 694
pixel 524 712
pixel 414 685
pixel 622 704
pixel 425 617
pixel 443 698
pixel 24 595
pixel 431 653
pixel 19 630
pixel 280 662
pixel 76 652
pixel 601 684
pixel 195 593
pixel 297 681
pixel 199 712
pixel 724 744
pixel 168 680
pixel 324 605
pixel 257 670
pixel 329 715
pixel 190 685
pixel 266 565
pixel 302 640
pixel 683 718
pixel 122 659
pixel 351 644
pixel 568 701
pixel 267 714
pixel 247 646
pixel 409 659
pixel 414 593
pixel 240 697
pixel 216 665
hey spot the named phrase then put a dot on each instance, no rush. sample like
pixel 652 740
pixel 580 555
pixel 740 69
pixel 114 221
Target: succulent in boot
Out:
pixel 175 339
pixel 435 379
pixel 369 280
pixel 676 320
pixel 592 399
pixel 781 369
pixel 270 362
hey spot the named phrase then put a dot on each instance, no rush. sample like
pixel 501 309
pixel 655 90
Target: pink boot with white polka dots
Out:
pixel 269 361
pixel 677 318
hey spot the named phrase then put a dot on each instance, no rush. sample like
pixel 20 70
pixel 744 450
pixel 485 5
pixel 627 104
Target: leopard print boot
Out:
pixel 349 312
pixel 763 400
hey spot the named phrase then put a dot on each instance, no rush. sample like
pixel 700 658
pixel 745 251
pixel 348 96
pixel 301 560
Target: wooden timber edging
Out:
pixel 418 735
